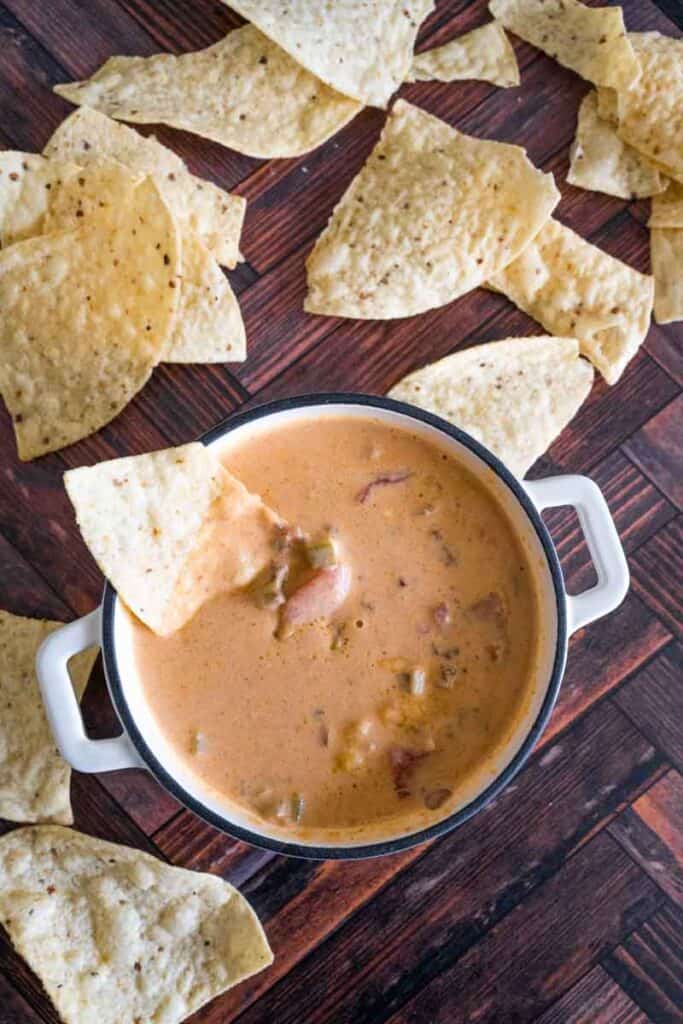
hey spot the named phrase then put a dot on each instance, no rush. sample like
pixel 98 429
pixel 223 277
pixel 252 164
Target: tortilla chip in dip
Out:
pixel 573 288
pixel 485 53
pixel 666 252
pixel 650 112
pixel 667 209
pixel 602 162
pixel 427 219
pixel 87 314
pixel 590 40
pixel 361 48
pixel 244 92
pixel 34 779
pixel 170 529
pixel 515 395
pixel 199 206
pixel 115 935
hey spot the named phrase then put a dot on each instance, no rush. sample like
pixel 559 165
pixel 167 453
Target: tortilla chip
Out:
pixel 117 936
pixel 575 289
pixel 607 106
pixel 602 162
pixel 209 327
pixel 666 251
pixel 244 92
pixel 651 111
pixel 590 40
pixel 34 779
pixel 485 53
pixel 515 396
pixel 362 50
pixel 428 218
pixel 667 209
pixel 170 529
pixel 200 207
pixel 87 314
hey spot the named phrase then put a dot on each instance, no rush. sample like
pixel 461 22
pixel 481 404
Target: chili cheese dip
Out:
pixel 383 659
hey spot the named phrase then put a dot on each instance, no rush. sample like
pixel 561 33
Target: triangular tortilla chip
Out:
pixel 589 40
pixel 651 111
pixel 666 252
pixel 86 315
pixel 34 779
pixel 515 395
pixel 361 49
pixel 667 209
pixel 603 162
pixel 170 529
pixel 485 53
pixel 117 936
pixel 244 92
pixel 428 218
pixel 575 289
pixel 200 207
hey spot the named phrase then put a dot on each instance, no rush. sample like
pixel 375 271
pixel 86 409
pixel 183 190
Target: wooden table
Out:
pixel 561 903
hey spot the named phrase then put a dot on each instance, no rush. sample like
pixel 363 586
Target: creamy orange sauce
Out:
pixel 373 719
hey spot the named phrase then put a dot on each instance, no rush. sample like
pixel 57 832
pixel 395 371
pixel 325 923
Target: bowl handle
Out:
pixel 602 539
pixel 61 705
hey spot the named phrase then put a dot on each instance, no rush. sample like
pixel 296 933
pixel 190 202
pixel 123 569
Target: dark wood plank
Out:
pixel 651 832
pixel 595 998
pixel 653 699
pixel 649 965
pixel 656 449
pixel 666 348
pixel 24 592
pixel 544 945
pixel 13 1007
pixel 657 569
pixel 435 908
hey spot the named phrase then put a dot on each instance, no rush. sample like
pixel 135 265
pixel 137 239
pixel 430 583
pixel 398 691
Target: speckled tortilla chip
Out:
pixel 573 288
pixel 209 326
pixel 244 92
pixel 589 40
pixel 432 214
pixel 650 113
pixel 200 207
pixel 117 936
pixel 86 315
pixel 667 208
pixel 34 779
pixel 515 395
pixel 485 53
pixel 603 162
pixel 170 529
pixel 666 251
pixel 361 48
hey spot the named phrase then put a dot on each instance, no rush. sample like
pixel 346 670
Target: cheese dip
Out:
pixel 385 658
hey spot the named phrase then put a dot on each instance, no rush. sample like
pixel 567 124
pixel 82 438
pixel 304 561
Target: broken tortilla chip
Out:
pixel 485 54
pixel 87 314
pixel 427 219
pixel 602 162
pixel 209 326
pixel 243 92
pixel 363 50
pixel 116 935
pixel 514 396
pixel 200 207
pixel 650 113
pixel 666 252
pixel 575 289
pixel 590 40
pixel 667 209
pixel 171 529
pixel 34 779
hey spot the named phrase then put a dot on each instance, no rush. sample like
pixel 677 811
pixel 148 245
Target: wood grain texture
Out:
pixel 558 903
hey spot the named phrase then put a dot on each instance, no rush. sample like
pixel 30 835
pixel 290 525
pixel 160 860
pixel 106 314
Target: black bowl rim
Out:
pixel 404 842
